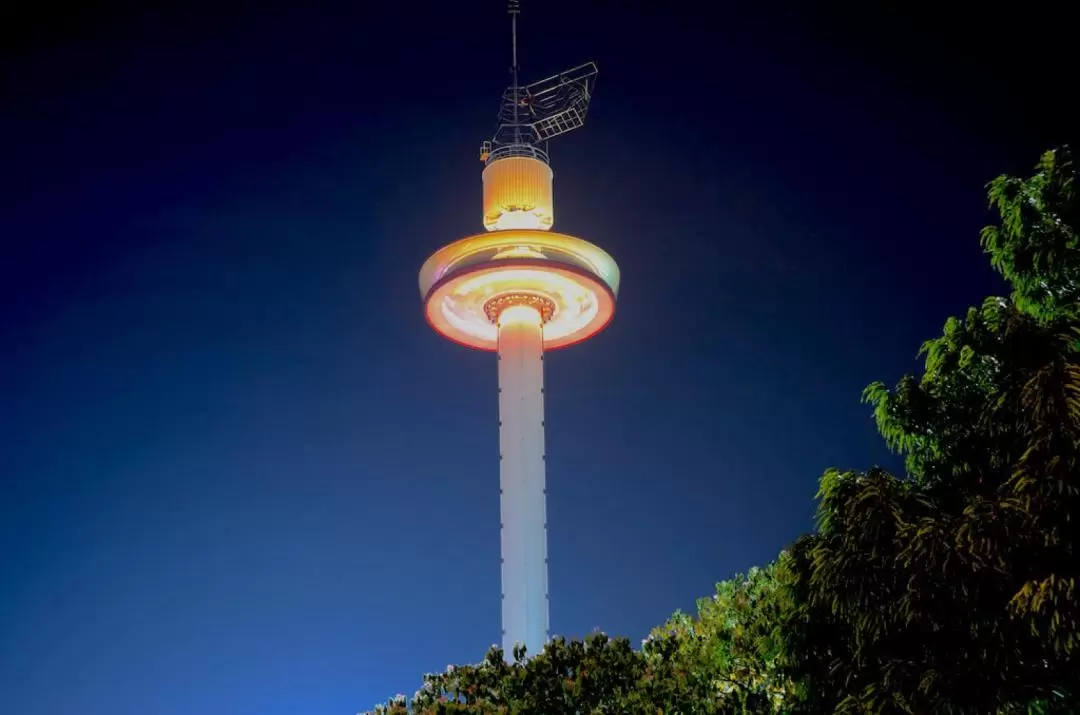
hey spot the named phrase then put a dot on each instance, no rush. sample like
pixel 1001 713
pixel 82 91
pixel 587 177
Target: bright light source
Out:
pixel 517 194
pixel 523 314
pixel 519 220
pixel 583 304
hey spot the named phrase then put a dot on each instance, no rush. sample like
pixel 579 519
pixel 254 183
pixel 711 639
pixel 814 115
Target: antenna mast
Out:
pixel 531 115
pixel 514 8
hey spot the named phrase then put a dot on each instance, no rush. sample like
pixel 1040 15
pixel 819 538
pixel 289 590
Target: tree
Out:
pixel 597 675
pixel 725 661
pixel 733 651
pixel 953 589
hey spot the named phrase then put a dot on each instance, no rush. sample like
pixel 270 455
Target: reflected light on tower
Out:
pixel 523 314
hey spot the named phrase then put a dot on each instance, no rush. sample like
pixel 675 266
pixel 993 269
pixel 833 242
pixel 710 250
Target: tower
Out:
pixel 519 290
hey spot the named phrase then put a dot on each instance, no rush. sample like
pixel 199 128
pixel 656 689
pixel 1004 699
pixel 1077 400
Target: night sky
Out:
pixel 238 473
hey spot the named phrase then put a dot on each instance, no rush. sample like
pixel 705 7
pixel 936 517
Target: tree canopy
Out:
pixel 953 588
pixel 949 589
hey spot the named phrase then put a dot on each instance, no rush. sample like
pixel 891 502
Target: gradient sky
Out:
pixel 238 473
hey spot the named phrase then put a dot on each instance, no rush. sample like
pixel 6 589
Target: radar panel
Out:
pixel 542 110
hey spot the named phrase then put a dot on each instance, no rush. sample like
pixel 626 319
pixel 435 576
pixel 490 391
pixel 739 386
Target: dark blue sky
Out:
pixel 238 473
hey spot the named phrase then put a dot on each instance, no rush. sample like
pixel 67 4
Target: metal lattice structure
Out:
pixel 543 110
pixel 532 114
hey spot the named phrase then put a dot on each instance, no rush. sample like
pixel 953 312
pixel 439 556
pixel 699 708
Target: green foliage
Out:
pixel 726 661
pixel 1036 246
pixel 734 648
pixel 597 675
pixel 954 589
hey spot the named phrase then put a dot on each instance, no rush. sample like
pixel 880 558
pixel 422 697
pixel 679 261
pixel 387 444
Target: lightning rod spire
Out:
pixel 514 8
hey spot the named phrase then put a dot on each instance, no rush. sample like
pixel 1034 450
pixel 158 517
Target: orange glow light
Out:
pixel 517 194
pixel 519 244
pixel 578 278
pixel 583 305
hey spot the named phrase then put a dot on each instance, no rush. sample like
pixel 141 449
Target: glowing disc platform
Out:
pixel 518 290
pixel 579 279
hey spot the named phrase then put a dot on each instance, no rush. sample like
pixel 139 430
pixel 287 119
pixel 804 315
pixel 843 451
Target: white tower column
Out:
pixel 522 493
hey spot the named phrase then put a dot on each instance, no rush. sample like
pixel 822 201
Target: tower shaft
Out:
pixel 522 494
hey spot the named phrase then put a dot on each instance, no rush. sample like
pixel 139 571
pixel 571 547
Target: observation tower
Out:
pixel 518 290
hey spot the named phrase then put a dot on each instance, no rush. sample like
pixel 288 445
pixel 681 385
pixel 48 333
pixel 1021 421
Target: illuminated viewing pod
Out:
pixel 578 279
pixel 520 289
pixel 517 194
